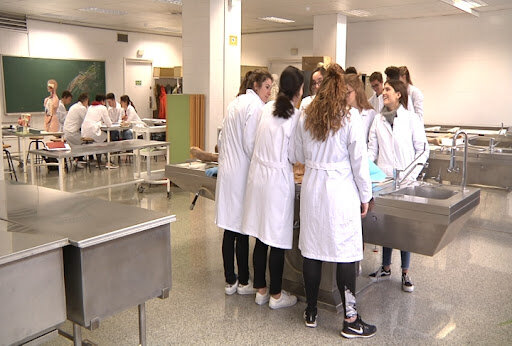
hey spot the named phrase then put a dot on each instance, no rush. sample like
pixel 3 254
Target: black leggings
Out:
pixel 275 265
pixel 242 257
pixel 345 278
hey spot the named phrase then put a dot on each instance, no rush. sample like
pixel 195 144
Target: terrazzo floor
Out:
pixel 463 294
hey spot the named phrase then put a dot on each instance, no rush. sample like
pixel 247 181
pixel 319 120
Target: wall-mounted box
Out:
pixel 163 72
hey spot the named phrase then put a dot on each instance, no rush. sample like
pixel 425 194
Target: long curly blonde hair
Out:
pixel 326 112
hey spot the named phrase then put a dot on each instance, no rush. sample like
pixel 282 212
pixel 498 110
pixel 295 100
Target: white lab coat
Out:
pixel 131 114
pixel 61 114
pixel 398 146
pixel 377 102
pixel 73 122
pixel 115 113
pixel 270 190
pixel 367 115
pixel 236 144
pixel 95 118
pixel 415 100
pixel 336 181
pixel 306 101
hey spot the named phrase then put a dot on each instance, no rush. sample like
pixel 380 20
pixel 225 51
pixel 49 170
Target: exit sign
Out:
pixel 138 82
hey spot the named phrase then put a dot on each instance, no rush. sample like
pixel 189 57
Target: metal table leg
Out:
pixel 61 174
pixel 77 335
pixel 142 324
pixel 32 169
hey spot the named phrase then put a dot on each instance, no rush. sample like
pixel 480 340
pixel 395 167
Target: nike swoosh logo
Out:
pixel 358 331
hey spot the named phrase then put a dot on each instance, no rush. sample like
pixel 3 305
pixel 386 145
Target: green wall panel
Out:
pixel 178 125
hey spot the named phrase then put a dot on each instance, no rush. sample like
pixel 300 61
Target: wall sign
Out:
pixel 233 40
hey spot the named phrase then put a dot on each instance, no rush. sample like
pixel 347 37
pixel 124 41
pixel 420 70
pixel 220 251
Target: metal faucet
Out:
pixel 396 171
pixel 452 167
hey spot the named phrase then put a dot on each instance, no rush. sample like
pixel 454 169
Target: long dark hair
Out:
pixel 290 82
pixel 400 87
pixel 126 98
pixel 327 110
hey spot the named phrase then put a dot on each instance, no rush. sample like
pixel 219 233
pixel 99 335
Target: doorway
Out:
pixel 138 85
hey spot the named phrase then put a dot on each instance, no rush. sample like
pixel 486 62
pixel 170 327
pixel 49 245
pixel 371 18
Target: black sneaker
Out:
pixel 358 329
pixel 407 284
pixel 310 318
pixel 381 274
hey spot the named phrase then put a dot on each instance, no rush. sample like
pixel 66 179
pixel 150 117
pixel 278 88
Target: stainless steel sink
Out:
pixel 421 217
pixel 425 192
pixel 485 141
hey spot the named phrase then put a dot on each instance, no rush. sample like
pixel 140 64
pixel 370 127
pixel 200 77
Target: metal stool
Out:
pixel 8 156
pixel 36 140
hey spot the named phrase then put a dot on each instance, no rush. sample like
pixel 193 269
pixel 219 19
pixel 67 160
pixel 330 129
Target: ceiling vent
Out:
pixel 13 22
pixel 122 37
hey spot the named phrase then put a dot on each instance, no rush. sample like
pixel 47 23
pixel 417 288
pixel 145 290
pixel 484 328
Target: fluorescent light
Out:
pixel 277 20
pixel 466 5
pixel 172 2
pixel 103 11
pixel 358 13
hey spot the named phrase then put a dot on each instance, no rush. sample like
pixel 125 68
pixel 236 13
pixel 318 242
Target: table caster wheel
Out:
pixel 140 189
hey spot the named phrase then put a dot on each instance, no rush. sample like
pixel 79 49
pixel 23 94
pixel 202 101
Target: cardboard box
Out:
pixel 163 72
pixel 309 63
pixel 178 71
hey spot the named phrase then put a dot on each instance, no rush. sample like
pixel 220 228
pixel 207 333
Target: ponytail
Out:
pixel 126 98
pixel 290 83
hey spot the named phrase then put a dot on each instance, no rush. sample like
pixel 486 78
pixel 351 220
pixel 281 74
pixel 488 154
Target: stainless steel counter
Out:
pixel 114 257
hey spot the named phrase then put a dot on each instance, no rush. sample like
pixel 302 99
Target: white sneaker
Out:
pixel 262 298
pixel 231 288
pixel 246 289
pixel 284 301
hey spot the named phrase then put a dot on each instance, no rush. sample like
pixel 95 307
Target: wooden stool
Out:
pixel 8 156
pixel 87 140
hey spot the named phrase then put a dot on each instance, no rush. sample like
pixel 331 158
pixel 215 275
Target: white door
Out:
pixel 138 82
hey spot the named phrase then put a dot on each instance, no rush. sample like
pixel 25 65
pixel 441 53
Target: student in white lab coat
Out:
pixel 116 113
pixel 270 191
pixel 95 118
pixel 377 84
pixel 61 109
pixel 74 120
pixel 130 114
pixel 356 98
pixel 335 194
pixel 316 80
pixel 236 144
pixel 397 137
pixel 415 95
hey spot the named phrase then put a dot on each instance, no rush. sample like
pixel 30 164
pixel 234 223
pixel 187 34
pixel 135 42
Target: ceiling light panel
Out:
pixel 103 11
pixel 172 2
pixel 277 20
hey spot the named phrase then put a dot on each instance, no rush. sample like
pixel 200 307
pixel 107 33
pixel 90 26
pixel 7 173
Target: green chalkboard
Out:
pixel 25 80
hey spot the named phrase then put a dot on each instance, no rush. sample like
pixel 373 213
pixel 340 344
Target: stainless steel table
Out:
pixel 114 256
pixel 32 290
pixel 100 148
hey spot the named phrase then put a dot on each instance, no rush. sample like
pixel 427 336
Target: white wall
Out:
pixel 463 64
pixel 273 49
pixel 52 40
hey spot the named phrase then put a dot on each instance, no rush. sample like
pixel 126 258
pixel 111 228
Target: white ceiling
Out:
pixel 157 17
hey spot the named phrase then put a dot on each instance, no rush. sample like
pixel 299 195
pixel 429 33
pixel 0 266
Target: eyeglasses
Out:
pixel 317 82
pixel 350 92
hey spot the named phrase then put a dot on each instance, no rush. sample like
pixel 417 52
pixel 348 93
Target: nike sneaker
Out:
pixel 358 329
pixel 310 318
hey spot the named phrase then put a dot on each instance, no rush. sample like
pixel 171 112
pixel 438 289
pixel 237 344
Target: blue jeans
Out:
pixel 126 134
pixel 386 257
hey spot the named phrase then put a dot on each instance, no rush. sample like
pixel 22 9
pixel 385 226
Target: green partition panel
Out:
pixel 25 80
pixel 178 127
